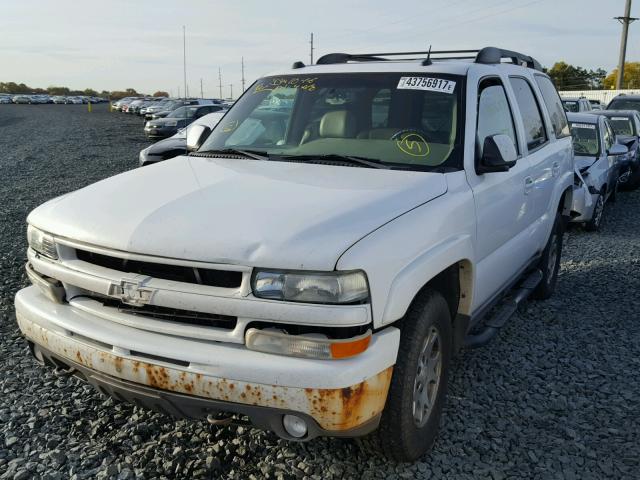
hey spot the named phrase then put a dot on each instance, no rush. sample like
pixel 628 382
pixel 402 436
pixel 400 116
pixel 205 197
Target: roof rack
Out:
pixel 487 55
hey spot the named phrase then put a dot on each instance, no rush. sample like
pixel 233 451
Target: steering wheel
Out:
pixel 399 134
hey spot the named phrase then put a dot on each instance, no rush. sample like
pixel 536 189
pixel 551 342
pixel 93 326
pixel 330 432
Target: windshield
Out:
pixel 570 106
pixel 183 112
pixel 624 104
pixel 585 139
pixel 622 125
pixel 409 120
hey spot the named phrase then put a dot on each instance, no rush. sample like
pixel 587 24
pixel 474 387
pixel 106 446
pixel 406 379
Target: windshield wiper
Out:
pixel 368 162
pixel 255 155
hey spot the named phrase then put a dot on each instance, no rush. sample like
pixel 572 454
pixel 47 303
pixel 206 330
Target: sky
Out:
pixel 119 44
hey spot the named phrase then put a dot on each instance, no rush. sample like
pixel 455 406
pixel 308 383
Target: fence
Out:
pixel 604 96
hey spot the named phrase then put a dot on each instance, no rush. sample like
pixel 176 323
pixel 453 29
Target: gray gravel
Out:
pixel 555 396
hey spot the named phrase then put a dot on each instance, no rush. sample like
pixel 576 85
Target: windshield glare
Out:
pixel 407 119
pixel 585 139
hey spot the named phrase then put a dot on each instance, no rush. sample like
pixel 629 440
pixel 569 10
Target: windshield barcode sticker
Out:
pixel 427 83
pixel 619 118
pixel 583 125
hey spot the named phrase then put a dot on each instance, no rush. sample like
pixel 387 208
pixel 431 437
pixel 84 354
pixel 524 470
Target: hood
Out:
pixel 627 140
pixel 247 212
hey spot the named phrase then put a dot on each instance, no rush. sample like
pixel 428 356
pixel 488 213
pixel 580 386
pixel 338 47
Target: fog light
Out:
pixel 295 426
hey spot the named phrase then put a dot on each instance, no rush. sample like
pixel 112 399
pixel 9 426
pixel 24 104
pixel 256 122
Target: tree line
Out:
pixel 564 75
pixel 21 88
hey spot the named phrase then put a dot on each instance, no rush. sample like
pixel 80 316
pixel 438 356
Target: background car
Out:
pixel 179 118
pixel 625 102
pixel 596 158
pixel 574 104
pixel 176 144
pixel 626 126
pixel 5 98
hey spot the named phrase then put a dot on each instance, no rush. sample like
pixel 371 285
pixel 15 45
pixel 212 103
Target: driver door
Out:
pixel 504 206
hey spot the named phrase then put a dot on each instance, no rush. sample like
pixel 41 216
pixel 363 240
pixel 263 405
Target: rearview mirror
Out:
pixel 498 154
pixel 196 135
pixel 617 149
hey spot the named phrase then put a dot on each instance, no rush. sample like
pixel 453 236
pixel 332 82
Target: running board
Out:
pixel 493 325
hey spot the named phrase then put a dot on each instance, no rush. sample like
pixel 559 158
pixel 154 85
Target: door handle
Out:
pixel 528 185
pixel 555 169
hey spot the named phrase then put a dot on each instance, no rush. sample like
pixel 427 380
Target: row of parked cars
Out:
pixel 167 117
pixel 43 98
pixel 325 250
pixel 607 152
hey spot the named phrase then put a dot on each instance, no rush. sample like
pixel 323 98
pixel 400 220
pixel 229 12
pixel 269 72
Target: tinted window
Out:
pixel 554 106
pixel 530 111
pixel 494 114
pixel 570 105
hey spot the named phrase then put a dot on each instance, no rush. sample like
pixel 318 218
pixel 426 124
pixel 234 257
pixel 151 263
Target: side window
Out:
pixel 380 105
pixel 494 113
pixel 554 106
pixel 608 136
pixel 530 110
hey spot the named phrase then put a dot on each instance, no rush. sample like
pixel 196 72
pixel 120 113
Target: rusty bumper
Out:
pixel 349 411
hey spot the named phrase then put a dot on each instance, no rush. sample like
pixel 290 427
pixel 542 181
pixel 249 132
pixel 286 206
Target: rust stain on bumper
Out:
pixel 334 409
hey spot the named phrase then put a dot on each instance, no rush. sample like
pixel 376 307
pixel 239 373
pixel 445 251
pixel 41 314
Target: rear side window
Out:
pixel 494 113
pixel 554 106
pixel 530 111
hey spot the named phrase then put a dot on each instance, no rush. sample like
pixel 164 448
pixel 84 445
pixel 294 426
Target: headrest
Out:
pixel 338 124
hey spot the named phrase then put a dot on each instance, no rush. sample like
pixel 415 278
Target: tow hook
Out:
pixel 219 419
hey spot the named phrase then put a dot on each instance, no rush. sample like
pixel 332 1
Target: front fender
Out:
pixel 401 256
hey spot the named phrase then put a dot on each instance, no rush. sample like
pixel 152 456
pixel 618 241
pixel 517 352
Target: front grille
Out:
pixel 187 317
pixel 178 273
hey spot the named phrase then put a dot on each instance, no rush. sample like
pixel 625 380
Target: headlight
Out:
pixel 42 242
pixel 311 287
pixel 171 123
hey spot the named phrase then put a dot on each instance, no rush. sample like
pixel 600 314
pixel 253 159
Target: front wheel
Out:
pixel 550 261
pixel 411 417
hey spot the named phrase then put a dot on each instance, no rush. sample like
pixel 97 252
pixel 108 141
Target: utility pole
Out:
pixel 231 87
pixel 311 43
pixel 243 74
pixel 201 91
pixel 625 21
pixel 220 82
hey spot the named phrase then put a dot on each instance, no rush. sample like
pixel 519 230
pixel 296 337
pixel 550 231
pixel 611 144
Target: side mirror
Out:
pixel 617 149
pixel 196 135
pixel 498 154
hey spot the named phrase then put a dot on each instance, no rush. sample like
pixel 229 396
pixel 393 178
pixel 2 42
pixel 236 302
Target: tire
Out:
pixel 401 436
pixel 595 223
pixel 550 261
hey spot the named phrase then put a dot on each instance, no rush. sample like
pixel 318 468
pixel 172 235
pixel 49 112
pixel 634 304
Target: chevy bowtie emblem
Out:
pixel 131 292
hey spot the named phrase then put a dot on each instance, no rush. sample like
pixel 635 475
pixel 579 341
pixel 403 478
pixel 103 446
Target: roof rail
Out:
pixel 487 55
pixel 331 58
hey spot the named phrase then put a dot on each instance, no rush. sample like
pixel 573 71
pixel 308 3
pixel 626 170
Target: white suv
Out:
pixel 315 265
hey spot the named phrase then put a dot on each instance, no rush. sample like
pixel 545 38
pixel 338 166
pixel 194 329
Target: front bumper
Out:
pixel 339 397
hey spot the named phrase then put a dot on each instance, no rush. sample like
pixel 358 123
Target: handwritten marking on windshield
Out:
pixel 413 144
pixel 307 84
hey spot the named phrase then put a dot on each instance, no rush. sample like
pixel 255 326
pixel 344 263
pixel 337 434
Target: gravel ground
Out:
pixel 556 395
